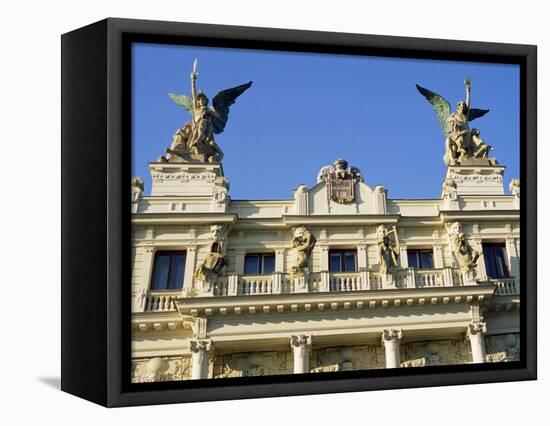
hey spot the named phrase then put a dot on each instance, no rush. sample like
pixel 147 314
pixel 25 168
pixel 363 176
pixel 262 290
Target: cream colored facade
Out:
pixel 234 324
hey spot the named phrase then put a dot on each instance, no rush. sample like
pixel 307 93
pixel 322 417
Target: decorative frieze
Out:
pixel 161 369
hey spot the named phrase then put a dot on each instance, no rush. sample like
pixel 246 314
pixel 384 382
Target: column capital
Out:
pixel 200 345
pixel 300 340
pixel 476 327
pixel 390 335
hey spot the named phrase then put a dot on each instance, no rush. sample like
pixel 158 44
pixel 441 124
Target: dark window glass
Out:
pixel 268 263
pixel 169 270
pixel 342 261
pixel 334 262
pixel 420 259
pixel 426 260
pixel 412 258
pixel 252 264
pixel 259 263
pixel 496 264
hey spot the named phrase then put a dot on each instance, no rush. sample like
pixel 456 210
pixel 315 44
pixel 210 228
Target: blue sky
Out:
pixel 305 110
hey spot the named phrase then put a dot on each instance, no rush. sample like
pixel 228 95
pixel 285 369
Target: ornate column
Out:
pixel 475 333
pixel 391 339
pixel 200 349
pixel 300 345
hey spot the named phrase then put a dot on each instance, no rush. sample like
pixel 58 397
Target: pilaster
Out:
pixel 200 349
pixel 475 332
pixel 391 338
pixel 301 346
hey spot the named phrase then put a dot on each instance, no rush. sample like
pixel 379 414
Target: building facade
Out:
pixel 338 277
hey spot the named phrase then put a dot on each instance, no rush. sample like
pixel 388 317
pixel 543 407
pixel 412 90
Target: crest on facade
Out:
pixel 340 180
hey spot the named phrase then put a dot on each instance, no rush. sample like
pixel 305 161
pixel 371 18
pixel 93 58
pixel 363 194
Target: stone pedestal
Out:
pixel 476 180
pixel 301 283
pixel 301 346
pixel 475 333
pixel 200 349
pixel 198 180
pixel 391 340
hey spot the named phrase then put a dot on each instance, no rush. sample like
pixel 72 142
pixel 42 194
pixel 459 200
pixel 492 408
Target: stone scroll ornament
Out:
pixel 388 253
pixel 465 254
pixel 303 242
pixel 194 141
pixel 462 145
pixel 214 261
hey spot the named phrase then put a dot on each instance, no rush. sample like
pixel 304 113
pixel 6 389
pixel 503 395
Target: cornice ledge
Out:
pixel 333 301
pixel 183 218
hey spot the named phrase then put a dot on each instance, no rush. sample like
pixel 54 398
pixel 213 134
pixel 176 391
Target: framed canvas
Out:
pixel 370 238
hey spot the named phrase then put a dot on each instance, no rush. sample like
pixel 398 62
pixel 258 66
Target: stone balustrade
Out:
pixel 255 284
pixel 282 283
pixel 345 281
pixel 161 300
pixel 505 286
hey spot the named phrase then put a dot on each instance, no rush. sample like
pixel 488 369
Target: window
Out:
pixel 496 264
pixel 342 260
pixel 169 270
pixel 259 263
pixel 420 259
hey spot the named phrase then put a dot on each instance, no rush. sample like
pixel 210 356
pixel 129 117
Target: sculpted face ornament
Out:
pixel 341 181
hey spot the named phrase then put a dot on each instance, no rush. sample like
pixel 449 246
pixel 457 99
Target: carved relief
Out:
pixel 449 189
pixel 340 180
pixel 388 252
pixel 138 187
pixel 502 348
pixel 303 242
pixel 249 364
pixel 161 369
pixel 464 253
pixel 347 358
pixel 214 262
pixel 439 352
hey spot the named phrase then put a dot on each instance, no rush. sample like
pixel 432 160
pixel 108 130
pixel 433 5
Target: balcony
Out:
pixel 319 282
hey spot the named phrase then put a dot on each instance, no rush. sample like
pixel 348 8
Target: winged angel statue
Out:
pixel 462 145
pixel 195 140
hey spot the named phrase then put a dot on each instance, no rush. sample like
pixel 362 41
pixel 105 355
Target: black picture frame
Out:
pixel 96 146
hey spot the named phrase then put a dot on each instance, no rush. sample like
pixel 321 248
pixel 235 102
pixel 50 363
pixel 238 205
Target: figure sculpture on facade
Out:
pixel 462 145
pixel 303 242
pixel 214 261
pixel 449 189
pixel 465 254
pixel 195 141
pixel 388 253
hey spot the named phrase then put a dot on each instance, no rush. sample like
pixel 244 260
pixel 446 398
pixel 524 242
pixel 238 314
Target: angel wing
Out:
pixel 183 101
pixel 476 113
pixel 441 106
pixel 221 103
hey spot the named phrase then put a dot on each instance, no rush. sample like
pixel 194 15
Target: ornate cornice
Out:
pixel 332 301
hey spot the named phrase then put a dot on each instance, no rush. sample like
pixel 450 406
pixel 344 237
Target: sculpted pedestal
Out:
pixel 475 180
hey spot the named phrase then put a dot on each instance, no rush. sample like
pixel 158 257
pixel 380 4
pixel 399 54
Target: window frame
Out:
pixel 507 268
pixel 261 262
pixel 172 253
pixel 418 252
pixel 342 252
